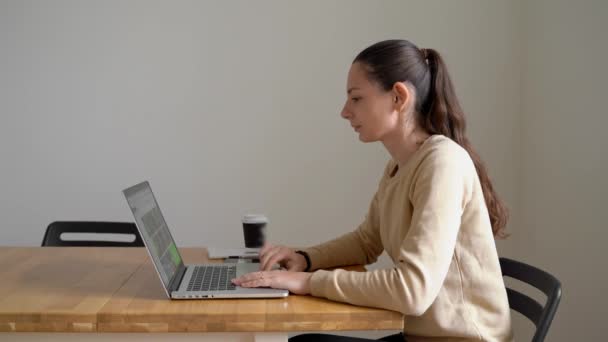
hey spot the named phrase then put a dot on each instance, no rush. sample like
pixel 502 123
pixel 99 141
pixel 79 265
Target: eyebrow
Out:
pixel 351 89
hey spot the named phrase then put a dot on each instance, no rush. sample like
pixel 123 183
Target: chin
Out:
pixel 365 139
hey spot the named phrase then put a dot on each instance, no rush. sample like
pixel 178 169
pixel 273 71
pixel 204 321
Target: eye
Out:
pixel 355 99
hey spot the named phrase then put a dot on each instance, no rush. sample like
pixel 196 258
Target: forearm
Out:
pixel 348 249
pixel 390 289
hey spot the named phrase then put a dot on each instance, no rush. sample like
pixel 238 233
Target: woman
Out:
pixel 435 211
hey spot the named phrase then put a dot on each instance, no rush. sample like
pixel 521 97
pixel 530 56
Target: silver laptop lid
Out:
pixel 155 233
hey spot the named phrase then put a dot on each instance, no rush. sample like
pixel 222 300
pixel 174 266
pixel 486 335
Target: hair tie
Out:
pixel 425 55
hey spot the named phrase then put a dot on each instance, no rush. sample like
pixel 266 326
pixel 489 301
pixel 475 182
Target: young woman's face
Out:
pixel 369 109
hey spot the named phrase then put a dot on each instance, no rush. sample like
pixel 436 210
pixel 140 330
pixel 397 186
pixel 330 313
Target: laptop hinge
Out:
pixel 177 280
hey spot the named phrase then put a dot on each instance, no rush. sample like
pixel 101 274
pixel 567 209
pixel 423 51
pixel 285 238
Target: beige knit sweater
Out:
pixel 432 220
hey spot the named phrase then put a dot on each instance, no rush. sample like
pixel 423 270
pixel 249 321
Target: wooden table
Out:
pixel 67 291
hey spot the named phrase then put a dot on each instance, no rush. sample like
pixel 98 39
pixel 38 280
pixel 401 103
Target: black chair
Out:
pixel 541 316
pixel 52 237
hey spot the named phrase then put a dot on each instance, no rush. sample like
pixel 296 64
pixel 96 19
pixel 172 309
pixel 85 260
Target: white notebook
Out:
pixel 222 253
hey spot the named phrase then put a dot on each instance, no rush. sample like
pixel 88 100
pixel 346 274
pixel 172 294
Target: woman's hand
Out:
pixel 284 256
pixel 295 282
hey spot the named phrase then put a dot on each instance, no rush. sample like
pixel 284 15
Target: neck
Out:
pixel 403 144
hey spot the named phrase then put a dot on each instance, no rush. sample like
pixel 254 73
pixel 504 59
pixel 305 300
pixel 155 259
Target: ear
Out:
pixel 402 96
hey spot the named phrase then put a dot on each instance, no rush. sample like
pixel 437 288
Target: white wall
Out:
pixel 564 158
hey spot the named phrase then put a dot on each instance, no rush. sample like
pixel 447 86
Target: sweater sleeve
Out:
pixel 411 286
pixel 359 247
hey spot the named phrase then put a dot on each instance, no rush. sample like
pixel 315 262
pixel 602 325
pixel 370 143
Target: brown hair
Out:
pixel 436 105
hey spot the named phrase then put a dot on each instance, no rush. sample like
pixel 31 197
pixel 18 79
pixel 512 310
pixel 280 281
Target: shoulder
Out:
pixel 444 169
pixel 443 147
pixel 443 165
pixel 441 153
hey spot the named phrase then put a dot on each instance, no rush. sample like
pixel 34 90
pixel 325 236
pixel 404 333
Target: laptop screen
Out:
pixel 154 231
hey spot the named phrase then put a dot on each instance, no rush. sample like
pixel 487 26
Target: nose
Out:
pixel 345 113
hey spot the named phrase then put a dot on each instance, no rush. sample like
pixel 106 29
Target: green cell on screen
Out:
pixel 174 254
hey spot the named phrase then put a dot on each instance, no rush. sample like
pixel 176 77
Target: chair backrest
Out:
pixel 52 236
pixel 540 315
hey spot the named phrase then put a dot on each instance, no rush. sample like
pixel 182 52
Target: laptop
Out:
pixel 186 281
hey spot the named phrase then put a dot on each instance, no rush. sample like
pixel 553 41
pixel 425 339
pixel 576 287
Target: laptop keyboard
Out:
pixel 212 278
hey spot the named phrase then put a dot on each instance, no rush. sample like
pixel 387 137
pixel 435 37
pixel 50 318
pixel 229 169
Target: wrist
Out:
pixel 308 289
pixel 306 260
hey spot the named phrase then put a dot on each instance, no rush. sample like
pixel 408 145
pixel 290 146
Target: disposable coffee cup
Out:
pixel 254 230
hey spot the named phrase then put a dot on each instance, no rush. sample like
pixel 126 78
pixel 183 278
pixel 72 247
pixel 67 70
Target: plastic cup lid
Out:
pixel 255 218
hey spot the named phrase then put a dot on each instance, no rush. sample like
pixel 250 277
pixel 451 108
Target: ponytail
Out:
pixel 442 114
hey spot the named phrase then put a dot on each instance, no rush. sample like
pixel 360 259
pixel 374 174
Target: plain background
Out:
pixel 232 107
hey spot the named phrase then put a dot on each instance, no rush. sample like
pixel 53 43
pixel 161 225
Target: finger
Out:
pixel 264 255
pixel 238 281
pixel 264 266
pixel 269 248
pixel 275 258
pixel 257 283
pixel 265 249
pixel 267 263
pixel 263 279
pixel 254 279
pixel 247 277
